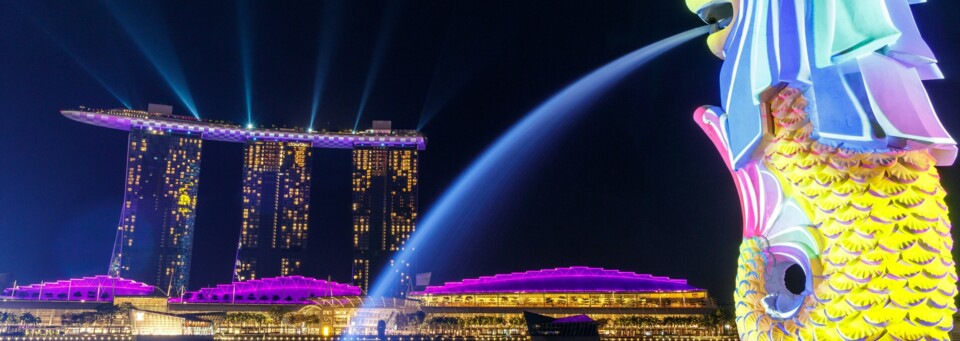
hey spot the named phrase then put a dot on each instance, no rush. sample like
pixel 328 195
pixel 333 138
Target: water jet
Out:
pixel 476 188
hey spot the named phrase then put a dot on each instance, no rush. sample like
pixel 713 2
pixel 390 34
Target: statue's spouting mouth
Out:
pixel 718 15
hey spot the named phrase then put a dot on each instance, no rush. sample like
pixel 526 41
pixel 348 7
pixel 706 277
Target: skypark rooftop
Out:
pixel 124 119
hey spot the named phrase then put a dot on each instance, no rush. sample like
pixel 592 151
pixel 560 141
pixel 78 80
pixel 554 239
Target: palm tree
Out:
pixel 28 318
pixel 276 314
pixel 516 321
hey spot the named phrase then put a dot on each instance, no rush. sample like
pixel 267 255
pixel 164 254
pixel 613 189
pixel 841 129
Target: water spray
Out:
pixel 501 164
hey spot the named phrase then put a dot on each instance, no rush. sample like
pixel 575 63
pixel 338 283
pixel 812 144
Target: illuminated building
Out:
pixel 124 119
pixel 155 236
pixel 276 204
pixel 280 222
pixel 589 290
pixel 75 306
pixel 494 305
pixel 271 291
pixel 146 322
pixel 623 304
pixel 87 289
pixel 619 298
pixel 384 210
pixel 55 302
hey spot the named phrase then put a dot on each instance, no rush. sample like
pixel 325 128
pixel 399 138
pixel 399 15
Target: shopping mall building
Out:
pixel 622 304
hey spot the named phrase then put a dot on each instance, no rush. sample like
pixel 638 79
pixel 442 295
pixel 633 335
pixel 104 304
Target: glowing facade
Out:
pixel 494 305
pixel 92 289
pixel 154 239
pixel 279 290
pixel 162 174
pixel 384 212
pixel 276 206
pixel 631 305
pixel 574 287
pixel 122 119
pixel 832 142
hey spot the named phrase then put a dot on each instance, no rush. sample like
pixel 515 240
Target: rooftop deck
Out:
pixel 122 119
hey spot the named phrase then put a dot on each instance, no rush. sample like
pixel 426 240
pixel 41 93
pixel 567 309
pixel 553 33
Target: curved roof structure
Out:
pixel 124 119
pixel 98 288
pixel 572 280
pixel 278 290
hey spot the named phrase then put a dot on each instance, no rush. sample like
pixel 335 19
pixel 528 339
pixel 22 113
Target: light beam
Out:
pixel 70 52
pixel 387 23
pixel 246 55
pixel 148 31
pixel 330 27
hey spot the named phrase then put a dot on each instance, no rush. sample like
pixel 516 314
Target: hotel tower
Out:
pixel 275 206
pixel 154 239
pixel 385 183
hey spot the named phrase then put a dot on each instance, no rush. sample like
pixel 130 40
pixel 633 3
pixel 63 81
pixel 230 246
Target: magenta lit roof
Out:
pixel 278 290
pixel 573 279
pixel 98 288
pixel 574 319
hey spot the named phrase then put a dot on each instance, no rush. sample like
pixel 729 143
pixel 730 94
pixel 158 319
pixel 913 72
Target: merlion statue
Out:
pixel 832 142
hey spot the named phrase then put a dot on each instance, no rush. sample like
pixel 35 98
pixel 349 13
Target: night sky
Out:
pixel 635 186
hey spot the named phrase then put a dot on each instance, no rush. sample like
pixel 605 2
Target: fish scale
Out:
pixel 888 271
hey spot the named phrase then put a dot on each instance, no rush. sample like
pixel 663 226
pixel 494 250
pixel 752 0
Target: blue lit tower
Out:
pixel 276 205
pixel 385 192
pixel 155 236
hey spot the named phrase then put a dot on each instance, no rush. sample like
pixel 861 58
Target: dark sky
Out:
pixel 635 186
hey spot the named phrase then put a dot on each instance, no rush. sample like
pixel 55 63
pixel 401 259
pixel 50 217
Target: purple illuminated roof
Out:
pixel 97 288
pixel 130 119
pixel 574 319
pixel 573 279
pixel 278 290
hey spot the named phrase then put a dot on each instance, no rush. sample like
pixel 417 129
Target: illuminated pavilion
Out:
pixel 620 300
pixel 93 289
pixel 624 303
pixel 560 289
pixel 279 290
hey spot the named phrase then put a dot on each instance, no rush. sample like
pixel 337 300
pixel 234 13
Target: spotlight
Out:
pixel 249 125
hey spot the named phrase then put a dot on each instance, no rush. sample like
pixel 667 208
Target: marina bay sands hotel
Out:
pixel 155 234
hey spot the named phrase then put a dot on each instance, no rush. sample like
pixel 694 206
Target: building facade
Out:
pixel 154 239
pixel 275 206
pixel 385 191
pixel 155 235
pixel 624 304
